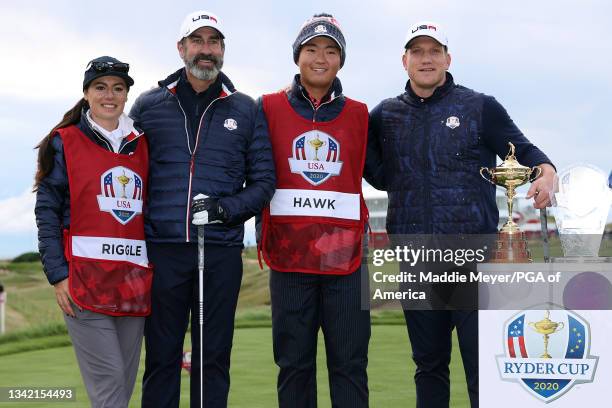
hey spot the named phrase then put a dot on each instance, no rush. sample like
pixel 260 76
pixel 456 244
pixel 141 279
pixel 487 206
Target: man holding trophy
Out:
pixel 425 147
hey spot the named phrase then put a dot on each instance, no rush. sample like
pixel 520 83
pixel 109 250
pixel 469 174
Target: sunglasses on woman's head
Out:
pixel 101 66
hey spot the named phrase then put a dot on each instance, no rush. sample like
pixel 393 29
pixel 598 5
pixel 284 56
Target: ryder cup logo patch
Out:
pixel 230 124
pixel 316 157
pixel 320 29
pixel 547 352
pixel 121 193
pixel 452 122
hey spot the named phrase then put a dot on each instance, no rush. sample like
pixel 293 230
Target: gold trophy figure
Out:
pixel 546 327
pixel 511 243
pixel 316 144
pixel 124 181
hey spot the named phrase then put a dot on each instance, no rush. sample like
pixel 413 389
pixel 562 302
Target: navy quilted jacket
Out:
pixel 231 160
pixel 427 152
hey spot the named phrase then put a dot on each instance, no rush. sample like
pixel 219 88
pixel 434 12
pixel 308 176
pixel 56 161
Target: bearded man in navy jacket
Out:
pixel 203 140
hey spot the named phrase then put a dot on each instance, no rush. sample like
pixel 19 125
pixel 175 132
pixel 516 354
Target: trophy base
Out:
pixel 510 248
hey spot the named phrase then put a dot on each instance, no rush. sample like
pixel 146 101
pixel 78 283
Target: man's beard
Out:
pixel 204 74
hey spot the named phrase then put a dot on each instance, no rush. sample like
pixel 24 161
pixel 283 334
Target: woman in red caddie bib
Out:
pixel 90 188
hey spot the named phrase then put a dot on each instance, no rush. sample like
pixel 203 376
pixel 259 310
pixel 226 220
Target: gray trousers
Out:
pixel 108 351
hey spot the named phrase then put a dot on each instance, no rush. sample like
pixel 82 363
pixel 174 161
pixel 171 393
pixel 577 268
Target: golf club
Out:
pixel 544 227
pixel 201 304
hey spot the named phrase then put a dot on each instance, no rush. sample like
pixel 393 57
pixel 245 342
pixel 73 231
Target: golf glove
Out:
pixel 206 210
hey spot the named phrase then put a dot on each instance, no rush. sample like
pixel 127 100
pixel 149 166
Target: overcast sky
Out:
pixel 547 62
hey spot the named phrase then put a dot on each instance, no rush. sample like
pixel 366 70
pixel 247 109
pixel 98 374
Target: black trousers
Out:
pixel 430 334
pixel 301 304
pixel 174 296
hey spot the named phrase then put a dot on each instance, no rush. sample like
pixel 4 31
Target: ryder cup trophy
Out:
pixel 511 244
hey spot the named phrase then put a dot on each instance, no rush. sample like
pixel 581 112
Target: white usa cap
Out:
pixel 199 19
pixel 428 29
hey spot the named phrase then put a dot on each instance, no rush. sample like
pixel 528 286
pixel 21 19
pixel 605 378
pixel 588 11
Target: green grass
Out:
pixel 35 344
pixel 253 372
pixel 43 330
pixel 31 300
pixel 36 349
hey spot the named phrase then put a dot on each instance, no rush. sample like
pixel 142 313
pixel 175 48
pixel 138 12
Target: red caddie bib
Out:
pixel 315 221
pixel 109 271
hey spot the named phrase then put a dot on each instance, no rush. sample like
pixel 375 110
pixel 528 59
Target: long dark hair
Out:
pixel 45 150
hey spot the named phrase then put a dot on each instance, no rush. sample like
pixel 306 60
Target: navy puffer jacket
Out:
pixel 231 160
pixel 427 152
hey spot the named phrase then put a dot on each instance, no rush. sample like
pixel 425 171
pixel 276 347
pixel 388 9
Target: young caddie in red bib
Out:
pixel 311 233
pixel 318 189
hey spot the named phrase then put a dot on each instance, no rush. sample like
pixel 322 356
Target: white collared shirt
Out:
pixel 115 137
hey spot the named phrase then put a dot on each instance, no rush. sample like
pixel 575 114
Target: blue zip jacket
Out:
pixel 52 209
pixel 229 158
pixel 427 153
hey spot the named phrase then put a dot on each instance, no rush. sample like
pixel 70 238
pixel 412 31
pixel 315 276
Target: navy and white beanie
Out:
pixel 320 25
